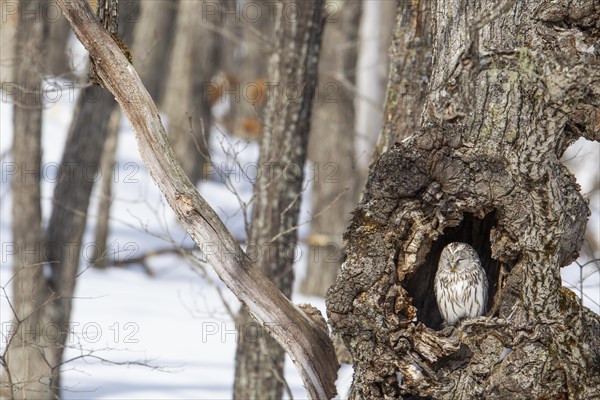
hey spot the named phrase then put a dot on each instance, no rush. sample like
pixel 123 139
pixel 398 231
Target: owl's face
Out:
pixel 457 257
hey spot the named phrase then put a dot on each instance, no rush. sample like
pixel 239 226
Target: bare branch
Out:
pixel 308 345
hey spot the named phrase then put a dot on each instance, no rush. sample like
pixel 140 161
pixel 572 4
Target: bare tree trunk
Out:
pixel 257 43
pixel 76 179
pixel 26 363
pixel 8 40
pixel 512 85
pixel 331 149
pixel 377 24
pixel 410 54
pixel 63 236
pixel 278 188
pixel 187 103
pixel 77 176
pixel 100 257
pixel 297 329
pixel 153 35
pixel 153 42
pixel 57 61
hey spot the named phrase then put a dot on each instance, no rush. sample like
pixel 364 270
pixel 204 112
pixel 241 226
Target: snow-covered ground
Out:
pixel 137 336
pixel 170 336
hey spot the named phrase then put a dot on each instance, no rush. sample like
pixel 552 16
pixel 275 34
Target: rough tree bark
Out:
pixel 410 69
pixel 278 188
pixel 305 340
pixel 334 177
pixel 512 85
pixel 26 374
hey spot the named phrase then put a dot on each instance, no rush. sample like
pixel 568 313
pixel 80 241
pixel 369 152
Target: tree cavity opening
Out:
pixel 471 230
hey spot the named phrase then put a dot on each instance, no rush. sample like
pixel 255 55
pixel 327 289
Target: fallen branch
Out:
pixel 307 344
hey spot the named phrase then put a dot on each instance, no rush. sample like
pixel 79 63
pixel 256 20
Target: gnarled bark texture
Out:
pixel 512 85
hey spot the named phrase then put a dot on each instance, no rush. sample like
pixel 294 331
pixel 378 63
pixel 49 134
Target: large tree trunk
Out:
pixel 278 188
pixel 26 363
pixel 331 149
pixel 512 85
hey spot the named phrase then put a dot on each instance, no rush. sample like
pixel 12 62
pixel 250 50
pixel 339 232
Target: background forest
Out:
pixel 149 318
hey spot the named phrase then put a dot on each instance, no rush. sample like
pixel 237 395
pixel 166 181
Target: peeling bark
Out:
pixel 512 85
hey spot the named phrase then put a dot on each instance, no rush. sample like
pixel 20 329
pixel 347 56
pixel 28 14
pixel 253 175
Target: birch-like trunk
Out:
pixel 512 85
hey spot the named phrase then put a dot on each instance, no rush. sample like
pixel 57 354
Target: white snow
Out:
pixel 175 321
pixel 583 276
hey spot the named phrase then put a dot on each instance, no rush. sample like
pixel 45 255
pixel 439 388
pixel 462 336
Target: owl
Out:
pixel 461 286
